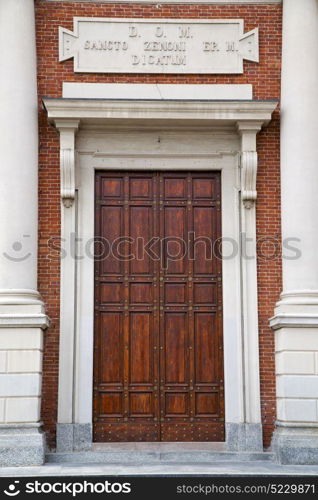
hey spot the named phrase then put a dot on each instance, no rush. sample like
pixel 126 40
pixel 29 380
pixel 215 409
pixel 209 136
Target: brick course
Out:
pixel 265 78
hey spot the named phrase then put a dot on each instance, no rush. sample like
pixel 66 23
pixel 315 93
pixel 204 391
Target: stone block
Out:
pixel 21 446
pixel 297 386
pixel 244 437
pixel 24 338
pixel 24 361
pixel 295 363
pixel 296 445
pixel 297 410
pixel 20 385
pixel 23 409
pixel 3 361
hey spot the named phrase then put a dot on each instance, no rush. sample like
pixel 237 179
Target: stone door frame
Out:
pixel 238 177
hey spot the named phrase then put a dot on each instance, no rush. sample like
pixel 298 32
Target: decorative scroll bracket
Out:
pixel 248 177
pixel 67 131
pixel 67 177
pixel 249 162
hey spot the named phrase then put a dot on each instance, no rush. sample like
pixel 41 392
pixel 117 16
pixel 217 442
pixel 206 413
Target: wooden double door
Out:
pixel 158 359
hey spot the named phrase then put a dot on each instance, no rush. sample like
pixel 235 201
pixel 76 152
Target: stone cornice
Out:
pixel 247 117
pixel 24 321
pixel 191 111
pixel 289 320
pixel 20 297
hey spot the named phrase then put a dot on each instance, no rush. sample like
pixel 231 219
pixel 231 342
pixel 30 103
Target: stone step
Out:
pixel 153 457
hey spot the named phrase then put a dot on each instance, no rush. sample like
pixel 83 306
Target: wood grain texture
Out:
pixel 158 362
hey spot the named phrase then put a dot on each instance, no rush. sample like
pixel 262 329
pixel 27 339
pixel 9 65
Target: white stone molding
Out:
pixel 112 135
pixel 296 309
pixel 290 320
pixel 24 321
pixel 201 113
pixel 299 298
pixel 19 297
pixel 22 309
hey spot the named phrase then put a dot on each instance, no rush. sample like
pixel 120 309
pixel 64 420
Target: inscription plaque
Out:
pixel 104 45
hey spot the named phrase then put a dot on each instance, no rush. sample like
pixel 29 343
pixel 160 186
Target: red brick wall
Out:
pixel 265 78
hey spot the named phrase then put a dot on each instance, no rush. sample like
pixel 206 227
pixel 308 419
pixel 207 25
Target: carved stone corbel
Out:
pixel 249 160
pixel 67 131
pixel 67 162
pixel 248 178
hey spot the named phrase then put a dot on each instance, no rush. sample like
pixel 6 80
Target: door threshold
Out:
pixel 160 446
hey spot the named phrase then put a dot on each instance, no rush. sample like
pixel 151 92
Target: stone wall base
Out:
pixel 78 437
pixel 296 445
pixel 21 446
pixel 244 437
pixel 73 437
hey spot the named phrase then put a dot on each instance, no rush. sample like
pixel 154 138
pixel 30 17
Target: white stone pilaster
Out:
pixel 22 315
pixel 296 315
pixel 248 132
pixel 67 358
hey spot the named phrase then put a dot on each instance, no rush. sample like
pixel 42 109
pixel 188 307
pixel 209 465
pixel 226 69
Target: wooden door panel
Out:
pixel 111 347
pixel 141 404
pixel 175 348
pixel 158 370
pixel 111 293
pixel 112 225
pixel 111 404
pixel 177 404
pixel 141 293
pixel 141 188
pixel 203 226
pixel 204 189
pixel 205 348
pixel 112 187
pixel 207 404
pixel 175 188
pixel 205 294
pixel 175 294
pixel 140 230
pixel 173 237
pixel 141 348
